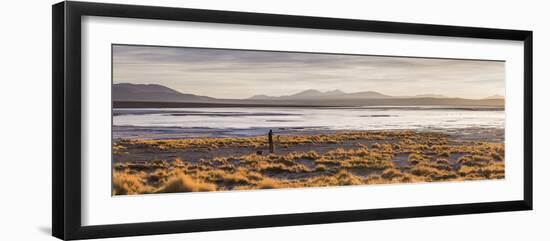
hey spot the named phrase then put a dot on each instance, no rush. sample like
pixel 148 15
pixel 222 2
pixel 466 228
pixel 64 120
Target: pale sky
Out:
pixel 241 74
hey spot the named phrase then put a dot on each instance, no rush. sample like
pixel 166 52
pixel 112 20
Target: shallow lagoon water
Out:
pixel 255 121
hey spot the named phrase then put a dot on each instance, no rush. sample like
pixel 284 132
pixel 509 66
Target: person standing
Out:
pixel 270 140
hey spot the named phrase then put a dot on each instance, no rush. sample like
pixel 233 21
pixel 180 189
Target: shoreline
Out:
pixel 490 134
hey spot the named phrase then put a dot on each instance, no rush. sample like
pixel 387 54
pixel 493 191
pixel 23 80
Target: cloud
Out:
pixel 243 73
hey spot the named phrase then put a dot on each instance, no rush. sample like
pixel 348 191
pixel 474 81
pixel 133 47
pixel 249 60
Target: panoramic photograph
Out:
pixel 188 119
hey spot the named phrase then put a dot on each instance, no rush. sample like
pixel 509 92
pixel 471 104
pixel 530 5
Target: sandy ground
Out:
pixel 455 136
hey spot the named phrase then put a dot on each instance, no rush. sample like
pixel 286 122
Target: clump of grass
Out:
pixel 442 164
pixel 416 158
pixel 441 161
pixel 184 183
pixel 118 149
pixel 433 173
pixel 475 160
pixel 424 170
pixel 373 164
pixel 311 155
pixel 496 156
pixel 157 177
pixel 391 173
pixel 346 178
pixel 320 168
pixel 127 184
pixel 223 178
pixel 268 167
pixel 493 170
pixel 445 154
pixel 268 183
pixel 396 147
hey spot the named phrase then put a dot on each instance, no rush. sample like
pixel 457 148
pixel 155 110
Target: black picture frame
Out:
pixel 66 75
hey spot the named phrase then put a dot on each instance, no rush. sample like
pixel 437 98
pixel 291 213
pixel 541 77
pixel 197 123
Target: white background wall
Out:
pixel 25 123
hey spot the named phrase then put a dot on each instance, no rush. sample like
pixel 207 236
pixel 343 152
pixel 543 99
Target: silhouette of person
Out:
pixel 270 139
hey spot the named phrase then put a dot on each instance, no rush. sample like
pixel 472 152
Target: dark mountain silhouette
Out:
pixel 152 95
pixel 334 92
pixel 306 94
pixel 494 97
pixel 152 92
pixel 431 96
pixel 315 94
pixel 366 95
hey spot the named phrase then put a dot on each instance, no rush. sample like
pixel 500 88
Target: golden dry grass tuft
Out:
pixel 126 183
pixel 183 183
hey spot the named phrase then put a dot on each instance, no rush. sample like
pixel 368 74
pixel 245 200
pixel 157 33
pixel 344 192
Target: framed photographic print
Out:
pixel 170 120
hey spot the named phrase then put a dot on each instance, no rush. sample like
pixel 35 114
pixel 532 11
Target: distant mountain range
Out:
pixel 153 93
pixel 431 96
pixel 315 94
pixel 495 97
